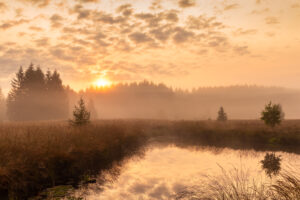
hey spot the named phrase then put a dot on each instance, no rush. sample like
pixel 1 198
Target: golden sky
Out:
pixel 183 43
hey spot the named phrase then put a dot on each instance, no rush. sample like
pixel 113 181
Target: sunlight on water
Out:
pixel 164 172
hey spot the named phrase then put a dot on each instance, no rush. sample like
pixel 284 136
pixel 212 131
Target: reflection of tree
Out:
pixel 271 164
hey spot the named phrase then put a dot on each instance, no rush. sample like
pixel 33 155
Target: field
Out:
pixel 36 156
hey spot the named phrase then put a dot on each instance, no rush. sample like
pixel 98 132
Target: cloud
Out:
pixel 19 12
pixel 241 50
pixel 182 35
pixel 202 22
pixel 108 18
pixel 270 34
pixel 56 21
pixel 295 5
pixel 258 12
pixel 39 3
pixel 82 13
pixel 88 1
pixel 219 43
pixel 231 6
pixel 186 3
pixel 12 23
pixel 139 37
pixel 36 28
pixel 43 42
pixel 125 9
pixel 140 188
pixel 271 20
pixel 151 19
pixel 162 33
pixel 156 5
pixel 242 32
pixel 3 7
pixel 160 192
pixel 171 15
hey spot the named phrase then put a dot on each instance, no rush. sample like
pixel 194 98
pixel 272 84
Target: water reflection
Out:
pixel 165 172
pixel 271 164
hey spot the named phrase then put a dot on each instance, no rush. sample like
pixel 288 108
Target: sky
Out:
pixel 182 43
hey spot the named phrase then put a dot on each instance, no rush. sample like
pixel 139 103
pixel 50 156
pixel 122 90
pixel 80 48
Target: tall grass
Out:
pixel 238 185
pixel 35 156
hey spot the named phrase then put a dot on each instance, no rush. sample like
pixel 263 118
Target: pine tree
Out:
pixel 15 96
pixel 222 116
pixel 36 96
pixel 81 116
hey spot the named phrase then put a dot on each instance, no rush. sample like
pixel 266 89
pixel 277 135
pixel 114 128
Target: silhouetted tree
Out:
pixel 222 116
pixel 15 96
pixel 36 96
pixel 272 115
pixel 81 116
pixel 58 104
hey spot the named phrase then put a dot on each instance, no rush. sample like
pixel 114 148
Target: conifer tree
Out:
pixel 81 116
pixel 222 116
pixel 36 96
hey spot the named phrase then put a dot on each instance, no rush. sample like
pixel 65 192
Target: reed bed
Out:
pixel 36 156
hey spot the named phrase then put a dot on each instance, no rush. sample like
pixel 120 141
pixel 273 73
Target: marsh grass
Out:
pixel 236 184
pixel 37 156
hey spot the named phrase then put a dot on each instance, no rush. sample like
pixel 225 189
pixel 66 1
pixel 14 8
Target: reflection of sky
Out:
pixel 164 172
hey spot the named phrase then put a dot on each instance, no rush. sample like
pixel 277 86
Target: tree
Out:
pixel 81 116
pixel 15 96
pixel 58 105
pixel 222 116
pixel 36 96
pixel 272 115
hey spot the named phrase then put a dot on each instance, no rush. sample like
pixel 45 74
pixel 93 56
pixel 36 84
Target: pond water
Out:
pixel 163 172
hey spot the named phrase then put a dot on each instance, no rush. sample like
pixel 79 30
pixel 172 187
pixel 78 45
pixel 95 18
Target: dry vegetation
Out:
pixel 36 156
pixel 238 185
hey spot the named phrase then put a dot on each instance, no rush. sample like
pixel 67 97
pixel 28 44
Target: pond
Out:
pixel 165 172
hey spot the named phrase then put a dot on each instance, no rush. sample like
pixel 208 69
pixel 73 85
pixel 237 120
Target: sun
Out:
pixel 102 82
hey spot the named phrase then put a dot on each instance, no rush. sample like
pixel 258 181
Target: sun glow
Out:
pixel 102 82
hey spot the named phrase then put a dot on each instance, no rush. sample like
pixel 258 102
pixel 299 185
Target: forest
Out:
pixel 37 95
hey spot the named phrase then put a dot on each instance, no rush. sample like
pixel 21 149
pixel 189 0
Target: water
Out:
pixel 166 171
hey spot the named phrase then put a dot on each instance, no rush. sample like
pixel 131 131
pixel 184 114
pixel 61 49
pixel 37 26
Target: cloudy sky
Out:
pixel 183 43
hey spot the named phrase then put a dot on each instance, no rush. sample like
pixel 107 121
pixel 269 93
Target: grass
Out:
pixel 37 156
pixel 238 185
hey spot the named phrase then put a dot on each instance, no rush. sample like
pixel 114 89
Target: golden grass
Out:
pixel 35 156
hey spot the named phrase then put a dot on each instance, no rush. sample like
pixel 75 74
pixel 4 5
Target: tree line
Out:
pixel 36 95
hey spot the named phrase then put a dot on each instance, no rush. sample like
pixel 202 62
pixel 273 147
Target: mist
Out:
pixel 38 95
pixel 157 101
